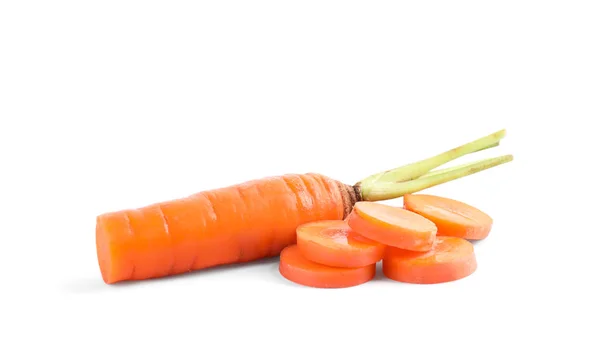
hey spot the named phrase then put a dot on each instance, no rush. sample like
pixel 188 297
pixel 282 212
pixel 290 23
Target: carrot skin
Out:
pixel 240 223
pixel 184 218
pixel 262 245
pixel 152 254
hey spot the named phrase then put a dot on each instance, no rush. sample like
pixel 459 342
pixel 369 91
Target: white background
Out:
pixel 115 104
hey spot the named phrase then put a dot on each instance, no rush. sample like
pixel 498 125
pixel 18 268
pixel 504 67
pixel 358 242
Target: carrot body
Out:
pixel 244 222
pixel 333 243
pixel 452 217
pixel 392 226
pixel 451 258
pixel 296 268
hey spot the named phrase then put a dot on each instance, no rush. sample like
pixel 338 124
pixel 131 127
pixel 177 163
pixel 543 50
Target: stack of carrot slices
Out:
pixel 425 242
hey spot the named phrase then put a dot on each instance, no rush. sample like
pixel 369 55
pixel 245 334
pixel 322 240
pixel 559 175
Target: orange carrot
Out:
pixel 392 226
pixel 228 225
pixel 452 217
pixel 252 220
pixel 333 243
pixel 296 268
pixel 451 258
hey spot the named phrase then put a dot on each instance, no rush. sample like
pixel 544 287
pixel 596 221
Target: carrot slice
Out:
pixel 333 243
pixel 452 217
pixel 393 226
pixel 296 268
pixel 451 258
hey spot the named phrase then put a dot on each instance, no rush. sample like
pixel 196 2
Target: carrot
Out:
pixel 452 217
pixel 451 259
pixel 333 243
pixel 254 219
pixel 296 268
pixel 392 226
pixel 235 224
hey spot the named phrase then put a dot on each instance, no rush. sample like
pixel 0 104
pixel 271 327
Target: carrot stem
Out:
pixel 417 169
pixel 446 170
pixel 488 147
pixel 390 190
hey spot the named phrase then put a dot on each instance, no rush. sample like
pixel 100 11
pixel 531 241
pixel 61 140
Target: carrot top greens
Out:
pixel 420 175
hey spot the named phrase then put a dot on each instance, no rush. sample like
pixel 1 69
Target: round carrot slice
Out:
pixel 451 258
pixel 333 243
pixel 452 217
pixel 392 226
pixel 296 268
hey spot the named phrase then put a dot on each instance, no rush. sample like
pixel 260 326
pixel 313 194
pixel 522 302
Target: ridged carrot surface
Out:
pixel 240 223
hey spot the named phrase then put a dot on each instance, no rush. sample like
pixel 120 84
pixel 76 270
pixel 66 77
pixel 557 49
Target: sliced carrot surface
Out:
pixel 452 217
pixel 392 226
pixel 334 243
pixel 115 256
pixel 296 268
pixel 451 259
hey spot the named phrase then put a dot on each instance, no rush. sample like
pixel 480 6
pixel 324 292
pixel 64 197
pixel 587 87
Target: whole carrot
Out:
pixel 240 223
pixel 255 219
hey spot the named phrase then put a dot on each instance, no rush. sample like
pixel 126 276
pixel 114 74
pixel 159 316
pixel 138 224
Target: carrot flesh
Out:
pixel 298 269
pixel 334 243
pixel 392 226
pixel 112 246
pixel 452 217
pixel 450 259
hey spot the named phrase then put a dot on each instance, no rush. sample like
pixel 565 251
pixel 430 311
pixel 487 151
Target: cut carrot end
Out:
pixel 334 243
pixel 103 252
pixel 452 217
pixel 296 268
pixel 113 266
pixel 451 259
pixel 392 226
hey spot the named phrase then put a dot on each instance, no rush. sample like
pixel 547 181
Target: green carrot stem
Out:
pixel 390 190
pixel 488 147
pixel 414 170
pixel 445 170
